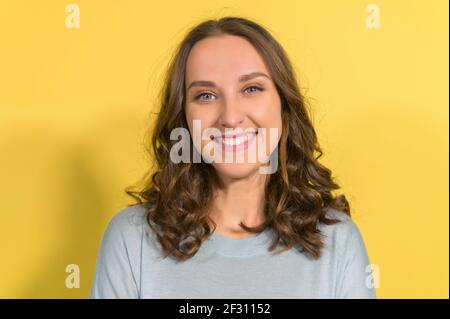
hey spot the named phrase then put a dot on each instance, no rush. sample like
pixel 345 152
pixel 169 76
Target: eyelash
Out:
pixel 206 93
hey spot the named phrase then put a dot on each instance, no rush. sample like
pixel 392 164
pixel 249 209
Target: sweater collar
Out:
pixel 252 245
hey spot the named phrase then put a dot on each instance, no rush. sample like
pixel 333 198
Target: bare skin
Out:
pixel 232 103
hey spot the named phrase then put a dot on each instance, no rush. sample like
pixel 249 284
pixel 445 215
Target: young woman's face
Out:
pixel 229 89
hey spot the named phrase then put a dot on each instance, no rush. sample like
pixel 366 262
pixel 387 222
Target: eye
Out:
pixel 205 94
pixel 254 87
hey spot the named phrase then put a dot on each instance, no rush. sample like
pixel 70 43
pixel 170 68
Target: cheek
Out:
pixel 266 113
pixel 203 113
pixel 195 114
pixel 206 116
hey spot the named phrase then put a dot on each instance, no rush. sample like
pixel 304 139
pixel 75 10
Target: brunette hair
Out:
pixel 297 195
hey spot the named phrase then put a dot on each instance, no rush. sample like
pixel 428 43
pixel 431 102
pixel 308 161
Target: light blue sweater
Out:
pixel 130 265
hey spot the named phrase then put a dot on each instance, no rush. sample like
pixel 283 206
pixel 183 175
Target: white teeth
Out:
pixel 234 141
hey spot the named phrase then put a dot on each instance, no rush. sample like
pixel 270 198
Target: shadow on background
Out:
pixel 63 191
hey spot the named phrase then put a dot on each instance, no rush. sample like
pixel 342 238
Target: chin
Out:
pixel 236 170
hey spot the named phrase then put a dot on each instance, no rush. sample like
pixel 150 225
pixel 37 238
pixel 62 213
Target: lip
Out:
pixel 237 134
pixel 235 142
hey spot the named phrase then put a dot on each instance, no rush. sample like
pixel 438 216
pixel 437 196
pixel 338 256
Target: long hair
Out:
pixel 179 195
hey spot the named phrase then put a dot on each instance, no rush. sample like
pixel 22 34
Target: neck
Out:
pixel 239 200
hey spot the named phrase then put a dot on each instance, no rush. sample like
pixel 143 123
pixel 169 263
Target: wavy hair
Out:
pixel 179 196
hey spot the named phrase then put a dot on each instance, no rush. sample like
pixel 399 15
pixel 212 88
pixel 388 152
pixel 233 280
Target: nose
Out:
pixel 231 115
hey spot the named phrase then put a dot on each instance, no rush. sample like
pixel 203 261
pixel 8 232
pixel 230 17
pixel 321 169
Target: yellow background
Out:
pixel 75 104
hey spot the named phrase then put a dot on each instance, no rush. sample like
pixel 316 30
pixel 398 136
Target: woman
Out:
pixel 214 228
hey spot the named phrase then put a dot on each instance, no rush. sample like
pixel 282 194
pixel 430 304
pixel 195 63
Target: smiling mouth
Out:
pixel 235 140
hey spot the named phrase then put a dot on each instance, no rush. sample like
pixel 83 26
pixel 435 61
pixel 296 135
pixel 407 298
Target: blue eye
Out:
pixel 254 87
pixel 201 95
pixel 198 97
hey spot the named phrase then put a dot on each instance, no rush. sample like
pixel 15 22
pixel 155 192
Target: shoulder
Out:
pixel 345 248
pixel 343 234
pixel 345 226
pixel 129 219
pixel 126 225
pixel 118 263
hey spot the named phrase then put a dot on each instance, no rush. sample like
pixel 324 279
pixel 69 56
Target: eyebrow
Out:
pixel 242 78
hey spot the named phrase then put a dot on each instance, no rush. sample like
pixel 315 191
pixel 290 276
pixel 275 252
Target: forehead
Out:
pixel 223 58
